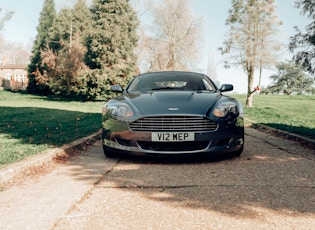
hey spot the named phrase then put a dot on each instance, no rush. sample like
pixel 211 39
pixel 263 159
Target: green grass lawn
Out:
pixel 30 124
pixel 295 114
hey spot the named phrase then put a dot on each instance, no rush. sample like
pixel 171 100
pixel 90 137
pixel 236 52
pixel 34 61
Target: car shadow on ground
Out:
pixel 265 178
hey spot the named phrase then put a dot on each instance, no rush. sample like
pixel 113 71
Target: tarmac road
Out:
pixel 271 186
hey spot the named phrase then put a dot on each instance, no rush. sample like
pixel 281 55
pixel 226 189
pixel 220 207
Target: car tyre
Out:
pixel 239 152
pixel 107 152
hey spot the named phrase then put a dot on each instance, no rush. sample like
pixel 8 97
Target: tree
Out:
pixel 7 16
pixel 305 42
pixel 270 46
pixel 13 53
pixel 46 20
pixel 63 69
pixel 251 40
pixel 211 69
pixel 63 56
pixel 68 23
pixel 3 44
pixel 111 42
pixel 290 79
pixel 172 43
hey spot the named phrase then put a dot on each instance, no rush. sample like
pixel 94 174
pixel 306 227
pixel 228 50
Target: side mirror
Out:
pixel 116 88
pixel 226 88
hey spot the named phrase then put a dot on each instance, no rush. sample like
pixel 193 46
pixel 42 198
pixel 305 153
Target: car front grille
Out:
pixel 173 123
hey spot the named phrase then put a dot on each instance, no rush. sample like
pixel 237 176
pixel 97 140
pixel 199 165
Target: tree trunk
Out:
pixel 68 86
pixel 260 73
pixel 249 100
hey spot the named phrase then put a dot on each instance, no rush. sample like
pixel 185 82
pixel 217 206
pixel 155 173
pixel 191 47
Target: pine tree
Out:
pixel 70 22
pixel 304 43
pixel 112 40
pixel 46 20
pixel 290 79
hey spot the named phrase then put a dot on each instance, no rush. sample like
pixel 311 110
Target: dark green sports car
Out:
pixel 172 113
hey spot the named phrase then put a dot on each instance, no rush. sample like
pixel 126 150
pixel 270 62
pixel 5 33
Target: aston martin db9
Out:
pixel 172 113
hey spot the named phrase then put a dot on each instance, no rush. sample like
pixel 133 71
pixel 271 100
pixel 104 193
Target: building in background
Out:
pixel 13 77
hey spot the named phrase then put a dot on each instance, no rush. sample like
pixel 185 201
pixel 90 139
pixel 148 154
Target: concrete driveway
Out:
pixel 271 186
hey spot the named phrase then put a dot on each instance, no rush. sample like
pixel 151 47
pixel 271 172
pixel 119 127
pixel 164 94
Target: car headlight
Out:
pixel 224 109
pixel 118 109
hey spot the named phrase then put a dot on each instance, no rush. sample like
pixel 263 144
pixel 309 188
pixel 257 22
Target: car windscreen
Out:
pixel 170 82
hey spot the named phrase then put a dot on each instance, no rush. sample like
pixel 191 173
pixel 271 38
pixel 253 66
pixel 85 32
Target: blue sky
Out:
pixel 22 29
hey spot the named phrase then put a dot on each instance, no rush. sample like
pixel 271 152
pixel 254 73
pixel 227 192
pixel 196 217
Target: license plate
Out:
pixel 173 137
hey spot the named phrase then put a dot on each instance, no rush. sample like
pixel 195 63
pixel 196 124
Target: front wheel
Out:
pixel 107 152
pixel 238 152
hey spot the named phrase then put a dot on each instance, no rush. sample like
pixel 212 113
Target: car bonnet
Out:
pixel 173 102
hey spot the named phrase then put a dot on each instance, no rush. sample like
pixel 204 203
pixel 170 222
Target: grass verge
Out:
pixel 294 114
pixel 31 124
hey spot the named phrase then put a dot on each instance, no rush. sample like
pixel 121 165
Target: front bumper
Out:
pixel 226 139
